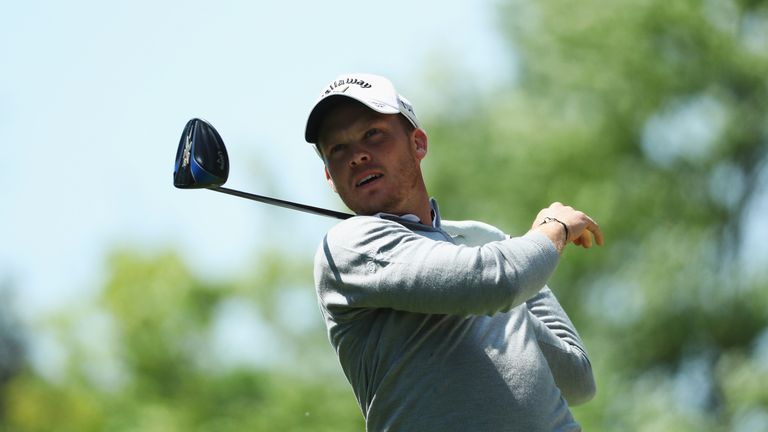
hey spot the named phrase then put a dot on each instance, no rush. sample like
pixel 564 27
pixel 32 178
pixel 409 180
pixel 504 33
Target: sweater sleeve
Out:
pixel 562 347
pixel 367 262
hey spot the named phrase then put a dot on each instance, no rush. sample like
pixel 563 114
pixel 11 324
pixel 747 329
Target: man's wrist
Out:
pixel 565 227
pixel 554 232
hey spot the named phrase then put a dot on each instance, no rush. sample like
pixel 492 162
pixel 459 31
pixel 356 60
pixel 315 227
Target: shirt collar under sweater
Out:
pixel 413 218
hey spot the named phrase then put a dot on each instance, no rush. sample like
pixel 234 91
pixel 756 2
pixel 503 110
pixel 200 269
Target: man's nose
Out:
pixel 359 157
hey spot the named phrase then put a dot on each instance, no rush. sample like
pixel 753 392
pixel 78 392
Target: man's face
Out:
pixel 371 161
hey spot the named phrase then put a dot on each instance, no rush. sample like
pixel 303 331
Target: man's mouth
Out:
pixel 368 179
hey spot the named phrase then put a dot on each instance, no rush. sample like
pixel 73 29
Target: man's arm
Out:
pixel 556 334
pixel 562 347
pixel 367 262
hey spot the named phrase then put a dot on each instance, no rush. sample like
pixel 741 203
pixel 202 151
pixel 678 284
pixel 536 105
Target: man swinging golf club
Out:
pixel 438 325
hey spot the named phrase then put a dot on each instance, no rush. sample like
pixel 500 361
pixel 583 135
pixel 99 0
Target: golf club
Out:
pixel 202 163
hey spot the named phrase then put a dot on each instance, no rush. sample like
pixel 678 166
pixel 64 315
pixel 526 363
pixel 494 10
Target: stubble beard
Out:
pixel 399 199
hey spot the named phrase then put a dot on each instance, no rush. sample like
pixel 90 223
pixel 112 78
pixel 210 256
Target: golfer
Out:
pixel 438 325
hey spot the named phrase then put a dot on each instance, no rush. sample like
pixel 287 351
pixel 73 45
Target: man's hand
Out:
pixel 563 224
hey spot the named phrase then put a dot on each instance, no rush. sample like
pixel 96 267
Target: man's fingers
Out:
pixel 589 235
pixel 595 229
pixel 585 239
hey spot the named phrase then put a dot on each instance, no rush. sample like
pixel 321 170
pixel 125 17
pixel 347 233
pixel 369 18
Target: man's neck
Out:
pixel 423 208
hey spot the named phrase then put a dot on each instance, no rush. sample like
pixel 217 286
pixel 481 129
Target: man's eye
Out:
pixel 336 149
pixel 371 132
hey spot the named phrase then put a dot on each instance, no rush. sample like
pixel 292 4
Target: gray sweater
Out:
pixel 450 328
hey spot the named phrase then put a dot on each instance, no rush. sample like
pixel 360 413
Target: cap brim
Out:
pixel 328 103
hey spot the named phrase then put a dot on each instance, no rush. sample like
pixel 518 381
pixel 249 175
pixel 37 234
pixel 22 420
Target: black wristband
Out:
pixel 551 219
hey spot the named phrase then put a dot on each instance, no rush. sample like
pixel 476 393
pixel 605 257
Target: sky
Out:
pixel 94 95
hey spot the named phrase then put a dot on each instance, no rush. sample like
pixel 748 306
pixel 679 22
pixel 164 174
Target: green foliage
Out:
pixel 232 401
pixel 165 376
pixel 11 343
pixel 652 117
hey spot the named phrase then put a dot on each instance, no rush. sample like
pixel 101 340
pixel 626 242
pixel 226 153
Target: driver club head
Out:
pixel 201 159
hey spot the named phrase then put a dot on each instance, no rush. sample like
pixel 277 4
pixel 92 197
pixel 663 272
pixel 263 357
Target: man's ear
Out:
pixel 421 142
pixel 330 180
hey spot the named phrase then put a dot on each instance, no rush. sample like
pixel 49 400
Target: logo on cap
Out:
pixel 349 81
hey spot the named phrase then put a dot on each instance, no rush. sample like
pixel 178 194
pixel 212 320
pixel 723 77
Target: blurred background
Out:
pixel 126 304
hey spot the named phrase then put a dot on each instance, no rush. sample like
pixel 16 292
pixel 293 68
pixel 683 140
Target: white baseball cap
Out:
pixel 374 91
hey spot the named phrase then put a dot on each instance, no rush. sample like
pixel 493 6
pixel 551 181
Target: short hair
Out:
pixel 408 127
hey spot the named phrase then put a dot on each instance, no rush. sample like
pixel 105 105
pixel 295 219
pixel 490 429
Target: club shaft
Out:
pixel 282 203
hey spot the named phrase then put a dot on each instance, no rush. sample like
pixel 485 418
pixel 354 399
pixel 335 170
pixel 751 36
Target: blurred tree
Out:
pixel 653 117
pixel 143 358
pixel 11 341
